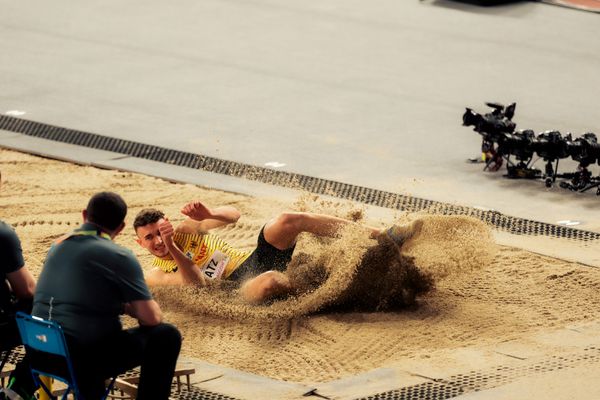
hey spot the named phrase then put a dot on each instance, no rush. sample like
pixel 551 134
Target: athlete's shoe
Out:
pixel 401 233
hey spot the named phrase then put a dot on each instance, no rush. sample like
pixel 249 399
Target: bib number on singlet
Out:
pixel 215 266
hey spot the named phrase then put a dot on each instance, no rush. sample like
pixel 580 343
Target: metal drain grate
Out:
pixel 18 353
pixel 424 391
pixel 474 381
pixel 193 393
pixel 199 394
pixel 311 184
pixel 14 355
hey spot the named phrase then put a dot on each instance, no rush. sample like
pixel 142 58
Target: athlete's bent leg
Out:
pixel 265 286
pixel 282 231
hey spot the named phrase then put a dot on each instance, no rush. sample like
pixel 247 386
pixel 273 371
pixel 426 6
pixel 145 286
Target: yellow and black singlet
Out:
pixel 215 257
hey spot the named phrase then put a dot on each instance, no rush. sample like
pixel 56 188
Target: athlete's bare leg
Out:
pixel 265 286
pixel 282 231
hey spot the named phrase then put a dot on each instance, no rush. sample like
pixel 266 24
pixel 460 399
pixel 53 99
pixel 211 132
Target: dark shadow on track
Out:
pixel 489 7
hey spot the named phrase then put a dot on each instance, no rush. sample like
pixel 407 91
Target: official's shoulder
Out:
pixel 7 231
pixel 119 249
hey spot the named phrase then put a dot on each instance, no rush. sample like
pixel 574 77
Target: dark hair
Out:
pixel 107 210
pixel 147 216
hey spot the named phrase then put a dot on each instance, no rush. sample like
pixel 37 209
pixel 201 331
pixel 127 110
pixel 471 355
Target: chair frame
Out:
pixel 48 337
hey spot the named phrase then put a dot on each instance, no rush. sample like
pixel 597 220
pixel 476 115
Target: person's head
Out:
pixel 108 211
pixel 146 227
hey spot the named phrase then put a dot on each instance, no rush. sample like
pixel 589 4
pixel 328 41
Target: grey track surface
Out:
pixel 366 94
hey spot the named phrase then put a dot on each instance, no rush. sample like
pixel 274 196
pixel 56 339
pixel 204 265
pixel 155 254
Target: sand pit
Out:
pixel 475 293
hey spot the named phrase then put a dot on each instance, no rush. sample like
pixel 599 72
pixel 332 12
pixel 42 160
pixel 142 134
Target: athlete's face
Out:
pixel 150 239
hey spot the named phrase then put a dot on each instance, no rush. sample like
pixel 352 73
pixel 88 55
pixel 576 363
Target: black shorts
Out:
pixel 264 258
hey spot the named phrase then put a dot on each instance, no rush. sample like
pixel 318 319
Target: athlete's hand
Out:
pixel 166 231
pixel 197 211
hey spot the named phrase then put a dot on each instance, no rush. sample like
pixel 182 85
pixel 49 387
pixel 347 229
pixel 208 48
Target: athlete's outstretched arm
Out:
pixel 202 218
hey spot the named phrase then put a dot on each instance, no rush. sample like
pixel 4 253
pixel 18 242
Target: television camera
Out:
pixel 501 140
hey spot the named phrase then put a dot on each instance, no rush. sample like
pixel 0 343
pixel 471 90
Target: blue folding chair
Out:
pixel 48 337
